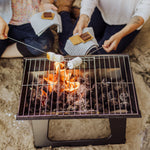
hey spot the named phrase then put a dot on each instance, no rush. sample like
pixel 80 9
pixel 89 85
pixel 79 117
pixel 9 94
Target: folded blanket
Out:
pixel 41 25
pixel 82 48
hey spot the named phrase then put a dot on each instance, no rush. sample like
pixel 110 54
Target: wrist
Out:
pixel 121 34
pixel 85 17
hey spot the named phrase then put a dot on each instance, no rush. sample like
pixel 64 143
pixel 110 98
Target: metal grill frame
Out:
pixel 125 67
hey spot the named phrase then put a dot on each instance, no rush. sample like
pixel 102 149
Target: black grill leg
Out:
pixel 118 130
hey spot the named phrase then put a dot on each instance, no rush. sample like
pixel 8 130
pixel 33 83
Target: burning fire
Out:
pixel 65 79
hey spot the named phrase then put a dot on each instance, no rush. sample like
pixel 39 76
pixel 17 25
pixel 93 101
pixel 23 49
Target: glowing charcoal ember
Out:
pixel 55 57
pixel 74 62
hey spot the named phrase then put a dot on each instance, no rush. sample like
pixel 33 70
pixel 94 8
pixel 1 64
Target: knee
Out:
pixel 41 44
pixel 46 43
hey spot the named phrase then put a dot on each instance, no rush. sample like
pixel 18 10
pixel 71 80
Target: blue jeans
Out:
pixel 102 32
pixel 26 34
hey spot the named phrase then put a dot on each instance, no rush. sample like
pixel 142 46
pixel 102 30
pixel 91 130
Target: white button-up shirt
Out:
pixel 117 12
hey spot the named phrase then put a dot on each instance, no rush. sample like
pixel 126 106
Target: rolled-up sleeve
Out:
pixel 88 6
pixel 143 9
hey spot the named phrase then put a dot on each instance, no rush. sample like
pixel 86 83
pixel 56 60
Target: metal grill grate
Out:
pixel 106 89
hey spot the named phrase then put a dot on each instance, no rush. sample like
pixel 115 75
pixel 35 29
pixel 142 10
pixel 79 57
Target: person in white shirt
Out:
pixel 115 22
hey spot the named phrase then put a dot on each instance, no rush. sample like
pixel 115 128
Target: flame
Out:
pixel 72 86
pixel 59 66
pixel 66 78
pixel 51 84
pixel 43 93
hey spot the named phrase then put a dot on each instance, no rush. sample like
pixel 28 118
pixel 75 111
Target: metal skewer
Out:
pixel 27 45
pixel 96 50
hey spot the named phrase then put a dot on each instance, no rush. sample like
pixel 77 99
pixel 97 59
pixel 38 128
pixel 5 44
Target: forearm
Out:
pixel 88 6
pixel 3 29
pixel 85 18
pixel 82 23
pixel 133 24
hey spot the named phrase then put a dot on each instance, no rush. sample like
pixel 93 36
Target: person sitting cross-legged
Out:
pixel 14 23
pixel 115 23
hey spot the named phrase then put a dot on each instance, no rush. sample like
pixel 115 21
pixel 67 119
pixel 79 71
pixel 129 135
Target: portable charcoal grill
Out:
pixel 101 87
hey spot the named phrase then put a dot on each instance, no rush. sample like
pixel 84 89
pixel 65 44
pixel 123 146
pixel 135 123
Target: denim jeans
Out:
pixel 67 30
pixel 102 32
pixel 26 34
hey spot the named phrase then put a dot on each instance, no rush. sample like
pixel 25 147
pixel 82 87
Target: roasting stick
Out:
pixel 26 45
pixel 78 61
pixel 96 50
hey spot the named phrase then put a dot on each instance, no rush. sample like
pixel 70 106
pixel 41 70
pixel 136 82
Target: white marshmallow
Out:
pixel 74 62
